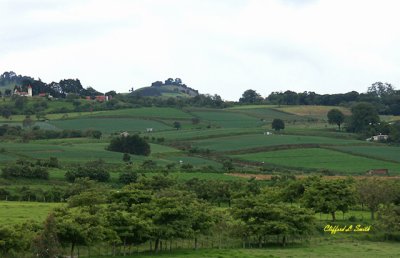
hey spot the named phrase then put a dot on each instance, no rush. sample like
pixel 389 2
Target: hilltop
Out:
pixel 170 88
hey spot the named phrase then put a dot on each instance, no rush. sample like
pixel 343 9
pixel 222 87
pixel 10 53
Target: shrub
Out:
pixel 132 144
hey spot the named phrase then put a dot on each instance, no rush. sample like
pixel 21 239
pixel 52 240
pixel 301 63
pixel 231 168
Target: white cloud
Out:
pixel 222 47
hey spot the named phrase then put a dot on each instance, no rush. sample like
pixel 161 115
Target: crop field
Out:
pixel 382 152
pixel 19 212
pixel 260 140
pixel 268 114
pixel 227 119
pixel 148 112
pixel 206 133
pixel 312 111
pixel 110 125
pixel 316 158
pixel 73 152
pixel 184 176
pixel 323 248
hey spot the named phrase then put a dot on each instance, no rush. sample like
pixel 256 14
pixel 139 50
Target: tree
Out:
pixel 363 115
pixel 128 177
pixel 262 219
pixel 28 122
pixel 250 97
pixel 177 125
pixel 278 124
pixel 373 192
pixel 126 157
pixel 381 89
pixel 46 244
pixel 329 196
pixel 132 144
pixel 335 116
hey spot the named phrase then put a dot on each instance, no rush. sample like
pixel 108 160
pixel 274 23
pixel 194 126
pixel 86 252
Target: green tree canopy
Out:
pixel 335 116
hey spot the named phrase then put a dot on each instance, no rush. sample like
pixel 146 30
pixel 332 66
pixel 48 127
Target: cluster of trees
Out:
pixel 161 212
pixel 132 144
pixel 56 89
pixel 25 169
pixel 382 96
pixel 365 120
pixel 94 170
pixel 31 132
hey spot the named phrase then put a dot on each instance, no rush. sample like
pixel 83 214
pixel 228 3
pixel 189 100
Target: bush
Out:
pixel 128 177
pixel 25 171
pixel 132 144
pixel 93 170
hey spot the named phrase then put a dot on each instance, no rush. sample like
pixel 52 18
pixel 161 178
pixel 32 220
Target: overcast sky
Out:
pixel 216 46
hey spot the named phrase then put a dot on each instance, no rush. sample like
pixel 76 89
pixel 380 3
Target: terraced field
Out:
pixel 74 152
pixel 148 112
pixel 382 152
pixel 312 111
pixel 227 119
pixel 110 125
pixel 323 159
pixel 260 140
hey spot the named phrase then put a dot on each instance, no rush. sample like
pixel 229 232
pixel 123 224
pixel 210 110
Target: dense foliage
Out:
pixel 132 144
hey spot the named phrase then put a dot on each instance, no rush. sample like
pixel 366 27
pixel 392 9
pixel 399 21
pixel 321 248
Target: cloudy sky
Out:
pixel 216 46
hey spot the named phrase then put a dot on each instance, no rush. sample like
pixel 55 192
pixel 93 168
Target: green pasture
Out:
pixel 381 152
pixel 185 176
pixel 227 119
pixel 312 111
pixel 323 159
pixel 205 133
pixel 242 107
pixel 110 125
pixel 260 140
pixel 315 249
pixel 73 152
pixel 148 112
pixel 268 114
pixel 20 212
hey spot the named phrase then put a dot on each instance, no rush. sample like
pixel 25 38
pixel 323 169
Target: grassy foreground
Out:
pixel 324 249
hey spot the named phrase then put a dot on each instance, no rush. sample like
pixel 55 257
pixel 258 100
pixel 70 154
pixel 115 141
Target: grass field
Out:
pixel 19 212
pixel 148 112
pixel 269 114
pixel 73 152
pixel 110 125
pixel 312 111
pixel 227 119
pixel 326 248
pixel 316 158
pixel 261 140
pixel 383 152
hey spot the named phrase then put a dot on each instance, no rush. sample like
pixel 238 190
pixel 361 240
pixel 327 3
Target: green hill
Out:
pixel 171 88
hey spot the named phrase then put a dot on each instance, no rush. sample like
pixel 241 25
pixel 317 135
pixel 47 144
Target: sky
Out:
pixel 219 47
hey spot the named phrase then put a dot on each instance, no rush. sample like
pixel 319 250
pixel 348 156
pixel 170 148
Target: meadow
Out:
pixel 261 140
pixel 19 212
pixel 325 248
pixel 321 159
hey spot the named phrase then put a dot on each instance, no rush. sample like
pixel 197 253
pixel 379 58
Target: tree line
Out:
pixel 160 212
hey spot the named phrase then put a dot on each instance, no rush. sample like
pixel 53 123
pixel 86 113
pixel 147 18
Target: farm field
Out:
pixel 269 114
pixel 325 248
pixel 19 212
pixel 110 125
pixel 227 119
pixel 322 159
pixel 73 152
pixel 382 152
pixel 312 111
pixel 260 140
pixel 148 112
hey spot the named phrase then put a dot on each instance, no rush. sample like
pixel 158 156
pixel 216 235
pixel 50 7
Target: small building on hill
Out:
pixel 24 93
pixel 378 172
pixel 379 138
